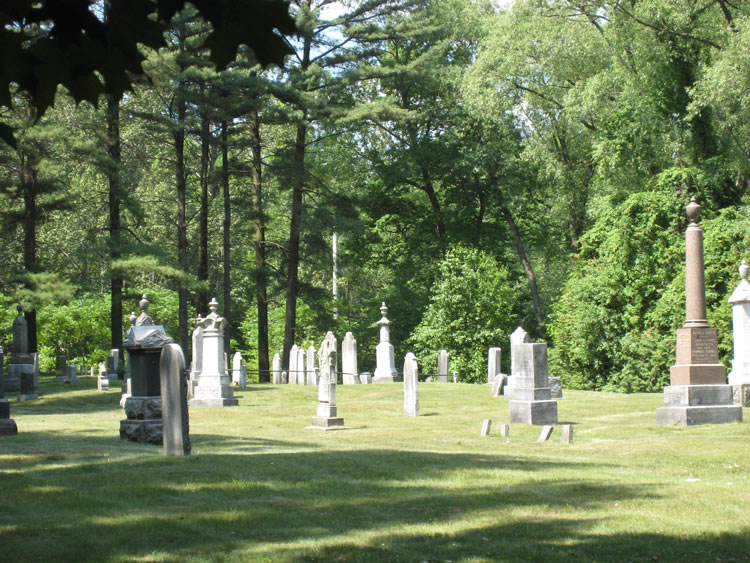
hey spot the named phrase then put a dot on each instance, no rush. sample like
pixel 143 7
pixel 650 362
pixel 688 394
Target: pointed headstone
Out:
pixel 174 409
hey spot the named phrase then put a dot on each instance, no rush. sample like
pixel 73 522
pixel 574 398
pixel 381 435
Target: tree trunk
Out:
pixel 428 188
pixel 264 365
pixel 30 184
pixel 524 259
pixel 203 297
pixel 227 238
pixel 115 225
pixel 179 145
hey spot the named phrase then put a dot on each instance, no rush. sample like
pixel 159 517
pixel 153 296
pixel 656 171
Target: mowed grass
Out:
pixel 260 487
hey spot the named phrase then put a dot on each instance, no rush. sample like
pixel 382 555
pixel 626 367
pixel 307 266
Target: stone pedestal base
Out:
pixel 12 381
pixel 691 405
pixel 533 412
pixel 147 431
pixel 213 402
pixel 327 423
pixel 697 374
pixel 742 394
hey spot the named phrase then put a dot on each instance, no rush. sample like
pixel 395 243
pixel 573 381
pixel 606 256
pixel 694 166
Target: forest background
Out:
pixel 480 166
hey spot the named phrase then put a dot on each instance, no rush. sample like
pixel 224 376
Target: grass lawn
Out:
pixel 260 487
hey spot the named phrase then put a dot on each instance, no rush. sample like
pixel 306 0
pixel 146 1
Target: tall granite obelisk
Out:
pixel 698 392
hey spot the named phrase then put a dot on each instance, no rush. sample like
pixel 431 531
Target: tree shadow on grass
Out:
pixel 366 504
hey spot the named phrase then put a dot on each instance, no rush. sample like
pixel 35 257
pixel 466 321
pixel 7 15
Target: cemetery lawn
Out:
pixel 259 486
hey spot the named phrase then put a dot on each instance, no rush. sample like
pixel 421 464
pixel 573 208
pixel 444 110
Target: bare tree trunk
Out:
pixel 30 184
pixel 261 296
pixel 203 297
pixel 115 225
pixel 227 238
pixel 179 144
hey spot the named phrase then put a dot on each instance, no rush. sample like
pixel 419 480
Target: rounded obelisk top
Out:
pixel 693 210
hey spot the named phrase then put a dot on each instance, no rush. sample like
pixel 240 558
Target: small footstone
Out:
pixel 545 433
pixel 504 430
pixel 567 434
pixel 486 424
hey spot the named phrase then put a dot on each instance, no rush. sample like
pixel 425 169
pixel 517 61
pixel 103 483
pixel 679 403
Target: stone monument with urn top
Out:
pixel 698 392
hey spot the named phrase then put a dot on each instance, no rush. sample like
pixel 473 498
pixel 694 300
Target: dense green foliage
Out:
pixel 551 145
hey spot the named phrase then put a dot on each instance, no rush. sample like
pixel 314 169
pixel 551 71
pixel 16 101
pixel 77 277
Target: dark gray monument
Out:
pixel 7 425
pixel 174 409
pixel 21 362
pixel 143 345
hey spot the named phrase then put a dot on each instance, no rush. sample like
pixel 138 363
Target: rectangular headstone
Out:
pixel 504 430
pixel 443 366
pixel 545 433
pixel 567 434
pixel 498 384
pixel 174 409
pixel 276 373
pixel 365 378
pixel 411 386
pixel 493 364
pixel 349 369
pixel 486 425
pixel 293 367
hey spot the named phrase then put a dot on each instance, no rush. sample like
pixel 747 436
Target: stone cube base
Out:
pixel 742 394
pixel 143 431
pixel 532 395
pixel 327 423
pixel 215 402
pixel 697 374
pixel 697 395
pixel 8 427
pixel 533 412
pixel 692 416
pixel 143 408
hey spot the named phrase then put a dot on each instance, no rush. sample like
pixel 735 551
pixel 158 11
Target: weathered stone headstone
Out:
pixel 326 416
pixel 236 368
pixel 555 387
pixel 498 384
pixel 143 345
pixel 519 336
pixel 276 369
pixel 302 373
pixel 127 385
pixel 113 364
pixel 739 377
pixel 365 378
pixel 293 367
pixel 350 375
pixel 567 434
pixel 698 392
pixel 504 430
pixel 61 367
pixel 486 425
pixel 411 385
pixel 21 362
pixel 443 364
pixel 329 343
pixel 455 377
pixel 532 401
pixel 385 369
pixel 545 433
pixel 174 409
pixel 493 364
pixel 196 365
pixel 284 377
pixel 72 375
pixel 8 426
pixel 214 387
pixel 27 392
pixel 310 372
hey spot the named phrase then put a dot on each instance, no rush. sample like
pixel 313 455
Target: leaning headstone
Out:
pixel 498 384
pixel 545 433
pixel 276 369
pixel 365 378
pixel 411 385
pixel 504 430
pixel 739 377
pixel 21 362
pixel 143 345
pixel 7 424
pixel 293 367
pixel 443 363
pixel 174 409
pixel 555 387
pixel 349 371
pixel 698 392
pixel 385 370
pixel 493 364
pixel 214 387
pixel 531 401
pixel 486 425
pixel 310 372
pixel 567 434
pixel 326 416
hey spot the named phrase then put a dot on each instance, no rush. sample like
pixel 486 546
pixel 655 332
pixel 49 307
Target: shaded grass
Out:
pixel 393 488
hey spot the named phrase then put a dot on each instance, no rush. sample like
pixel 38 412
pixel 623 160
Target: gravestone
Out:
pixel 328 343
pixel 365 378
pixel 72 375
pixel 236 365
pixel 567 434
pixel 411 385
pixel 350 375
pixel 61 367
pixel 27 392
pixel 545 433
pixel 293 367
pixel 174 409
pixel 455 377
pixel 385 368
pixel 214 387
pixel 302 373
pixel 493 364
pixel 310 372
pixel 127 384
pixel 143 345
pixel 443 364
pixel 698 393
pixel 532 401
pixel 519 336
pixel 555 387
pixel 113 364
pixel 21 362
pixel 326 416
pixel 739 377
pixel 504 430
pixel 486 425
pixel 102 381
pixel 498 384
pixel 8 426
pixel 196 365
pixel 284 377
pixel 276 369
